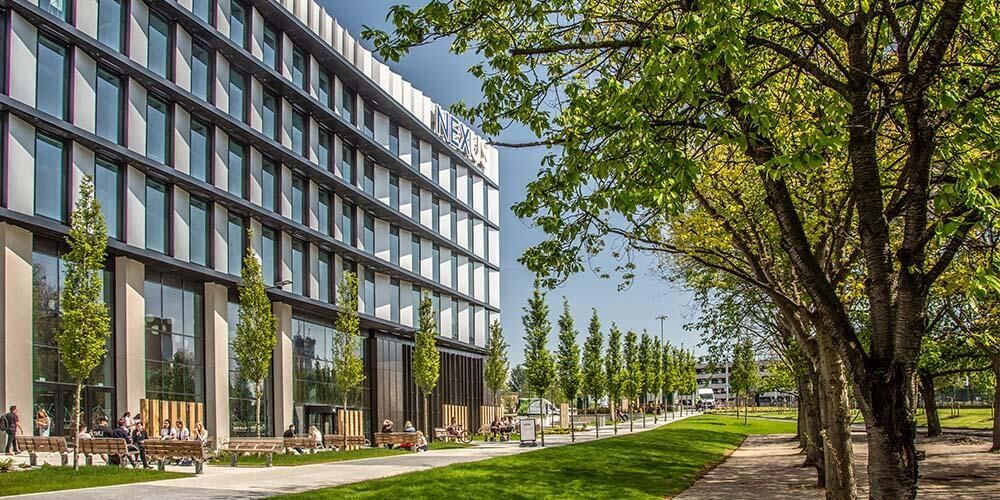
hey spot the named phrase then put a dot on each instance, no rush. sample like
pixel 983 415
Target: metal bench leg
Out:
pixel 88 460
pixel 269 460
pixel 64 458
pixel 122 461
pixel 33 459
pixel 199 467
pixel 232 460
pixel 161 465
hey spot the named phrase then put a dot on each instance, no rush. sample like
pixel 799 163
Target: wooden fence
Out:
pixel 488 413
pixel 155 411
pixel 350 423
pixel 460 413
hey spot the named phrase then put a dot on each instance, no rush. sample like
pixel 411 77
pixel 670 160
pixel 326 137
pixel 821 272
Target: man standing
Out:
pixel 11 425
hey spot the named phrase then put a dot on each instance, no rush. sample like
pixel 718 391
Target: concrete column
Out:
pixel 15 319
pixel 20 150
pixel 216 361
pixel 130 334
pixel 283 368
pixel 23 56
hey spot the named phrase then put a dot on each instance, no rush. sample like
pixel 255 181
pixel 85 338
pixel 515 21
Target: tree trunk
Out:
pixel 630 416
pixel 996 403
pixel 837 451
pixel 427 417
pixel 746 410
pixel 597 419
pixel 892 454
pixel 257 390
pixel 76 424
pixel 930 405
pixel 811 418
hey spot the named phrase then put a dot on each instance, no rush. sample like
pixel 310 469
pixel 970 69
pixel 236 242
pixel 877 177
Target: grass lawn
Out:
pixel 48 478
pixel 324 457
pixel 653 464
pixel 968 418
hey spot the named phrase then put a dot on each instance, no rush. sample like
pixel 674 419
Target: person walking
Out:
pixel 10 423
pixel 43 424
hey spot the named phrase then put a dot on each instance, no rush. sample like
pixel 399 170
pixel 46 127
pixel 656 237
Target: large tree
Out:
pixel 426 359
pixel 593 370
pixel 568 360
pixel 899 95
pixel 348 365
pixel 497 364
pixel 86 322
pixel 539 367
pixel 256 329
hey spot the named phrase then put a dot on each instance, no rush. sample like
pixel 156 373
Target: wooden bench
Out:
pixel 301 443
pixel 441 434
pixel 105 447
pixel 395 438
pixel 337 441
pixel 163 450
pixel 253 446
pixel 37 444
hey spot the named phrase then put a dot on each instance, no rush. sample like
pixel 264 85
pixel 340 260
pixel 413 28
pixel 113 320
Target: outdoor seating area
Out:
pixel 163 451
pixel 253 446
pixel 112 450
pixel 40 444
pixel 401 439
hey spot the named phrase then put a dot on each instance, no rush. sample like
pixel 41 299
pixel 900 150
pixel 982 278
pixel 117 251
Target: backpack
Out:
pixel 4 422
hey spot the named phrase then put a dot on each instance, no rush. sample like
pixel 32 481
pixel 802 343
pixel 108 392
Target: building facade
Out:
pixel 716 377
pixel 203 121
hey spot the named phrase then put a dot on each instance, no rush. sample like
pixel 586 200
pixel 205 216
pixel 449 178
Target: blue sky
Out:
pixel 443 76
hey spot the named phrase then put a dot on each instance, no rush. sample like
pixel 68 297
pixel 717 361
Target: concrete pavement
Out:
pixel 220 482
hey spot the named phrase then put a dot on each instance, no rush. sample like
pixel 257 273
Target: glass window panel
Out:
pixel 202 9
pixel 436 262
pixel 107 187
pixel 270 125
pixel 50 164
pixel 268 254
pixel 394 138
pixel 415 203
pixel 369 233
pixel 201 71
pixel 51 83
pixel 298 198
pixel 368 183
pixel 109 23
pixel 394 245
pixel 157 130
pixel 237 94
pixel 156 216
pixel 394 191
pixel 347 104
pixel 158 46
pixel 235 243
pixel 299 60
pixel 415 251
pixel 323 275
pixel 436 214
pixel 394 300
pixel 454 270
pixel 369 292
pixel 347 163
pixel 454 318
pixel 347 224
pixel 298 132
pixel 298 267
pixel 236 167
pixel 323 90
pixel 323 208
pixel 415 153
pixel 435 165
pixel 198 241
pixel 200 150
pixel 270 46
pixel 323 150
pixel 269 183
pixel 108 110
pixel 369 128
pixel 238 23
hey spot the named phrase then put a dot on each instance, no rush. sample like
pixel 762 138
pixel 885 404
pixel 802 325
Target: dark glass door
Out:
pixel 320 416
pixel 58 401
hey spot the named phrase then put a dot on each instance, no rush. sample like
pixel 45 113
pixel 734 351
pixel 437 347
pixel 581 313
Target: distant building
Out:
pixel 716 377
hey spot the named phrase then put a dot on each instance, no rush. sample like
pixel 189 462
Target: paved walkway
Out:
pixel 956 467
pixel 219 482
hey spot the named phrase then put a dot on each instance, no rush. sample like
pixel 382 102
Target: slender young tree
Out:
pixel 593 371
pixel 668 375
pixel 348 366
pixel 86 324
pixel 645 377
pixel 654 375
pixel 744 377
pixel 568 361
pixel 613 372
pixel 687 381
pixel 633 373
pixel 256 328
pixel 497 364
pixel 426 359
pixel 539 367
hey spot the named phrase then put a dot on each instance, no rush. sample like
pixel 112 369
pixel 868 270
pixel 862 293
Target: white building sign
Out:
pixel 456 133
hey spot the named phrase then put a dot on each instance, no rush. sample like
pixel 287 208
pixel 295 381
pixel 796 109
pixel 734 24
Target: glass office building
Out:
pixel 202 122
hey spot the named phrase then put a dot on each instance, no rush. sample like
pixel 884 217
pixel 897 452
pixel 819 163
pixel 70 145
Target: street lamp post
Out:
pixel 661 317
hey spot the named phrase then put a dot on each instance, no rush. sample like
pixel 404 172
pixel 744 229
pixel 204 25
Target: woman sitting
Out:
pixel 316 435
pixel 421 442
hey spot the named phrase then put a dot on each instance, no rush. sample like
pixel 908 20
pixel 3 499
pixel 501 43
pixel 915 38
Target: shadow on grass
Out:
pixel 652 464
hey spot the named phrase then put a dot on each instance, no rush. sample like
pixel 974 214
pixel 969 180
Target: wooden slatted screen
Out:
pixel 354 426
pixel 461 414
pixel 154 411
pixel 487 413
